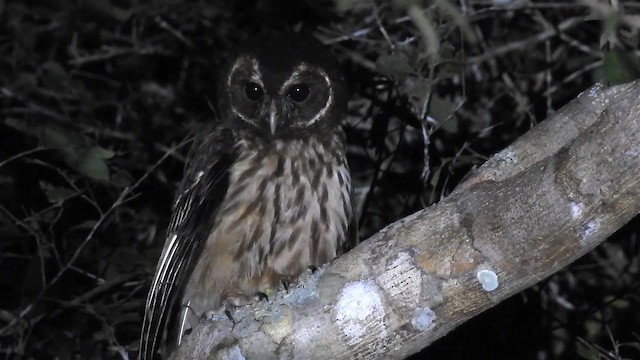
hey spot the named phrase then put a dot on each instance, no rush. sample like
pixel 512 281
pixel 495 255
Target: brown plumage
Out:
pixel 266 191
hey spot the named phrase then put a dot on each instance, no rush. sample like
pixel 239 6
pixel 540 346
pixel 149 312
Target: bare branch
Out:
pixel 529 211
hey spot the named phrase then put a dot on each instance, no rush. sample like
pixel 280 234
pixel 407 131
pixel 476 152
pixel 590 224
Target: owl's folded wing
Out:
pixel 201 191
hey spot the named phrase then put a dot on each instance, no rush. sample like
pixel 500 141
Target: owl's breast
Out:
pixel 289 206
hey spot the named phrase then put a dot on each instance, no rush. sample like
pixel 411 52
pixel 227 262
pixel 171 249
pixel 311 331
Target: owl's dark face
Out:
pixel 281 87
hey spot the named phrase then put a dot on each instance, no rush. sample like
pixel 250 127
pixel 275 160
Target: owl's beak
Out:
pixel 273 117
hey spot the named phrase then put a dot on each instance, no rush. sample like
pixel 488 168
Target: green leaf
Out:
pixel 105 8
pixel 92 164
pixel 120 179
pixel 344 5
pixel 435 177
pixel 76 149
pixel 55 193
pixel 100 152
pixel 452 61
pixel 54 76
pixel 586 352
pixel 427 28
pixel 24 83
pixel 620 66
pixel 441 110
pixel 56 138
pixel 394 65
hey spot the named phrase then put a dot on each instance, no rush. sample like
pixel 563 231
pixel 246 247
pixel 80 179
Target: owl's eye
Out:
pixel 253 91
pixel 298 92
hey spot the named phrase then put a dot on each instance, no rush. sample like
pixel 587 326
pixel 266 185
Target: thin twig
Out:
pixel 122 198
pixel 22 154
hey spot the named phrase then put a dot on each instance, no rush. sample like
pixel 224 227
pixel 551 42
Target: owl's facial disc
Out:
pixel 281 99
pixel 307 96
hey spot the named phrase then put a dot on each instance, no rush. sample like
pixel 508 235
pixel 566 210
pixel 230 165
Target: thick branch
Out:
pixel 532 209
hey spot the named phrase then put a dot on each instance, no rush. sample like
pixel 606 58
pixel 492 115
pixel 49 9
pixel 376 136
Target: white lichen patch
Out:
pixel 590 228
pixel 594 91
pixel 507 156
pixel 488 279
pixel 576 209
pixel 423 319
pixel 359 310
pixel 232 353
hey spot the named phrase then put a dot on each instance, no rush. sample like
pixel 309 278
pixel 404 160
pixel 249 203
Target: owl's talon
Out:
pixel 227 311
pixel 261 296
pixel 285 283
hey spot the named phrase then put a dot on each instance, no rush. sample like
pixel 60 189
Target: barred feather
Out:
pixel 287 208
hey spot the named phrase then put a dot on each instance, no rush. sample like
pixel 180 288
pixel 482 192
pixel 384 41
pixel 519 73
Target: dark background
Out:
pixel 98 99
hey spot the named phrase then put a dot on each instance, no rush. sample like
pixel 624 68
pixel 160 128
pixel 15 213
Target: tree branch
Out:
pixel 528 212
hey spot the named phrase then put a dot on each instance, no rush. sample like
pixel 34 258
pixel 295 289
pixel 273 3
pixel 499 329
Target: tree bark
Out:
pixel 532 209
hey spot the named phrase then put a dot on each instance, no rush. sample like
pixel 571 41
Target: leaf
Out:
pixel 24 83
pixel 435 177
pixel 454 13
pixel 56 138
pixel 394 65
pixel 620 66
pixel 105 8
pixel 56 193
pixel 586 352
pixel 92 164
pixel 120 179
pixel 77 150
pixel 452 61
pixel 427 28
pixel 100 152
pixel 54 76
pixel 441 110
pixel 344 5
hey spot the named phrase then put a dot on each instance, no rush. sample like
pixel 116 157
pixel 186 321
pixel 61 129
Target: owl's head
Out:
pixel 282 85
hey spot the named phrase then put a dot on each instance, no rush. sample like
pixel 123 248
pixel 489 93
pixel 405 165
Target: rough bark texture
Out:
pixel 532 209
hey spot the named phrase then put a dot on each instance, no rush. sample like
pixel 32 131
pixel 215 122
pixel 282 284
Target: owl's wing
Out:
pixel 353 237
pixel 201 191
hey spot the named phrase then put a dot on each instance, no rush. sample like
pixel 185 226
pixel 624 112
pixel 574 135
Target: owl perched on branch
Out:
pixel 266 190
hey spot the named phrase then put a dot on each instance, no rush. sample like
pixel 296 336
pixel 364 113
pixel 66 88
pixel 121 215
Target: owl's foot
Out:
pixel 286 282
pixel 261 296
pixel 228 310
pixel 239 299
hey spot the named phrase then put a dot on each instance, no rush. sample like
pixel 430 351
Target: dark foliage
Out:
pixel 98 99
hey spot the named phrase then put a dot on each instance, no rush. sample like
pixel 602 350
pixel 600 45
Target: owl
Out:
pixel 266 193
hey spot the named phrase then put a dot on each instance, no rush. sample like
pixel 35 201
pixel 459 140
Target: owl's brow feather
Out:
pixel 295 75
pixel 256 77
